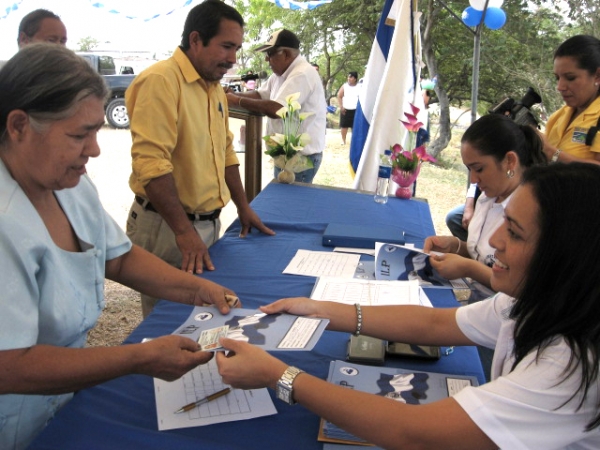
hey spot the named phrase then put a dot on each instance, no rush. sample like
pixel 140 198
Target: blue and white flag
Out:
pixel 389 86
pixel 294 5
pixel 370 85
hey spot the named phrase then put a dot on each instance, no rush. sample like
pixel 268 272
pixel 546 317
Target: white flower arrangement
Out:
pixel 285 147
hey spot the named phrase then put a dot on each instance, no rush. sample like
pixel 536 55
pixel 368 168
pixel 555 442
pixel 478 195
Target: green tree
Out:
pixel 512 58
pixel 87 44
pixel 337 36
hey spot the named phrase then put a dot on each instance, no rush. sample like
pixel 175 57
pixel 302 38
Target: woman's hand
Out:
pixel 451 266
pixel 247 366
pixel 442 244
pixel 170 357
pixel 299 306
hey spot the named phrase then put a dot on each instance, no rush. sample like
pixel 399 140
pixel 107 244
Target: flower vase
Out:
pixel 286 176
pixel 404 179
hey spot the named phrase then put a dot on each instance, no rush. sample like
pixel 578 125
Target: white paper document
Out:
pixel 369 292
pixel 199 383
pixel 323 264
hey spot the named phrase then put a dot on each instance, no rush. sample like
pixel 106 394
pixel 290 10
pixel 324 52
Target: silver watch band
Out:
pixel 284 388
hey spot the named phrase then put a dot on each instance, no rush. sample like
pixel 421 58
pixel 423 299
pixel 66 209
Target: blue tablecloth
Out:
pixel 122 413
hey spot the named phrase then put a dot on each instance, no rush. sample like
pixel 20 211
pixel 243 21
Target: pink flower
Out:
pixel 422 154
pixel 397 148
pixel 415 110
pixel 408 155
pixel 413 125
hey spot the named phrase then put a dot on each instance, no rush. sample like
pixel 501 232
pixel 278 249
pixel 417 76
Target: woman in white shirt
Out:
pixel 545 386
pixel 496 151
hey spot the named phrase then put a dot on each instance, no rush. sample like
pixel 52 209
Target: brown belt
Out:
pixel 193 217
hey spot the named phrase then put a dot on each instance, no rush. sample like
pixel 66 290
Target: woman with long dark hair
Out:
pixel 545 390
pixel 496 151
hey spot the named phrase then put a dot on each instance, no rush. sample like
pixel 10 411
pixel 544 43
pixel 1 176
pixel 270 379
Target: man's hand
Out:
pixel 194 252
pixel 249 219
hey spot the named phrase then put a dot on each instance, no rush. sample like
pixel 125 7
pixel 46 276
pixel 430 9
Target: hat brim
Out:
pixel 264 47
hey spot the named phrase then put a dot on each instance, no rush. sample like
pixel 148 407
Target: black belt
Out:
pixel 193 217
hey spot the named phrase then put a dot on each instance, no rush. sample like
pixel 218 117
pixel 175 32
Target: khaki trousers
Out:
pixel 148 230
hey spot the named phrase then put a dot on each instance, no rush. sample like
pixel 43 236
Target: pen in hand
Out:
pixel 210 398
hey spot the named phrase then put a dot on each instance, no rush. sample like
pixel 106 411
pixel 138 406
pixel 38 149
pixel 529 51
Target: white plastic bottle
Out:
pixel 383 178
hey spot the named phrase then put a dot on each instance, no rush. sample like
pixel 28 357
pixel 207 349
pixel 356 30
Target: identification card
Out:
pixel 209 339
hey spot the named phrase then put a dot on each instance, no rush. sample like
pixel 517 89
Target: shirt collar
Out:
pixel 187 69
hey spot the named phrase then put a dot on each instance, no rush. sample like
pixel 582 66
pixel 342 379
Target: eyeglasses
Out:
pixel 272 52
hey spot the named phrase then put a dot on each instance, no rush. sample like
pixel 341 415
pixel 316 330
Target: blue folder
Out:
pixel 361 236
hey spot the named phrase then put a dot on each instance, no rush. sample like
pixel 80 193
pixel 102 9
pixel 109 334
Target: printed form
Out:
pixel 198 383
pixel 369 292
pixel 316 264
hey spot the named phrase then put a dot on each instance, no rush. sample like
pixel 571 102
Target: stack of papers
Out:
pixel 400 385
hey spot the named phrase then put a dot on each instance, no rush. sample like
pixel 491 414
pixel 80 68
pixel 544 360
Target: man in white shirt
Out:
pixel 292 73
pixel 348 100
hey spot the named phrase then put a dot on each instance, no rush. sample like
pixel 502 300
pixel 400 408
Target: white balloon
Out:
pixel 477 4
pixel 480 4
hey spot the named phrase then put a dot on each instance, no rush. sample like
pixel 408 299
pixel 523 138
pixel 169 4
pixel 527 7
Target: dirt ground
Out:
pixel 443 186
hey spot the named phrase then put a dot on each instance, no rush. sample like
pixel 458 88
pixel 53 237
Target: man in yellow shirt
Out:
pixel 184 166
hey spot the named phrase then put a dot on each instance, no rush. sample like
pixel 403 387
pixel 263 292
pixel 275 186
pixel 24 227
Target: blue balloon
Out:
pixel 495 18
pixel 471 17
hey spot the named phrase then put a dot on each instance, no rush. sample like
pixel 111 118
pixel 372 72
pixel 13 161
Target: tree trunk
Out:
pixel 444 131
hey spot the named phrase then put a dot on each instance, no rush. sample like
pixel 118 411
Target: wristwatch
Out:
pixel 284 390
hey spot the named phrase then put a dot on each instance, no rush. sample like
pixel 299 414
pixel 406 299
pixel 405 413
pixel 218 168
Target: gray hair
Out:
pixel 46 81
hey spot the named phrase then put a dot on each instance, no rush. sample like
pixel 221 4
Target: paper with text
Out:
pixel 369 292
pixel 199 383
pixel 318 264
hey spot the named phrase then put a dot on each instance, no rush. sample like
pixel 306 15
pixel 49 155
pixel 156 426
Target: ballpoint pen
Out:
pixel 210 398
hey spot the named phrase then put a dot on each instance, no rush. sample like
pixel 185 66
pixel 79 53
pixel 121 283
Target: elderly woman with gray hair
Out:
pixel 58 244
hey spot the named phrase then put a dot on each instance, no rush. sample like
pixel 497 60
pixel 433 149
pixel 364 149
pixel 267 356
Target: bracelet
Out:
pixel 556 155
pixel 358 319
pixel 458 249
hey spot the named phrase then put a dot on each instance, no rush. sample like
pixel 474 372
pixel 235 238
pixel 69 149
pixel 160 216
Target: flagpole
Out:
pixel 476 54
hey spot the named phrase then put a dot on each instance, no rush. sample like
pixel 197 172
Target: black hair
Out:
pixel 353 74
pixel 30 24
pixel 496 135
pixel 585 49
pixel 560 295
pixel 206 18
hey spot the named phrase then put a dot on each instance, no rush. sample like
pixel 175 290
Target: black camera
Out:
pixel 249 76
pixel 520 111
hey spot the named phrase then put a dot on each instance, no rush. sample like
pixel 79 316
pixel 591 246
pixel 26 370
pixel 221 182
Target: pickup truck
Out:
pixel 115 109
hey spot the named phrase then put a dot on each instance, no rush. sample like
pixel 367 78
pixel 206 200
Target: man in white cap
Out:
pixel 292 73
